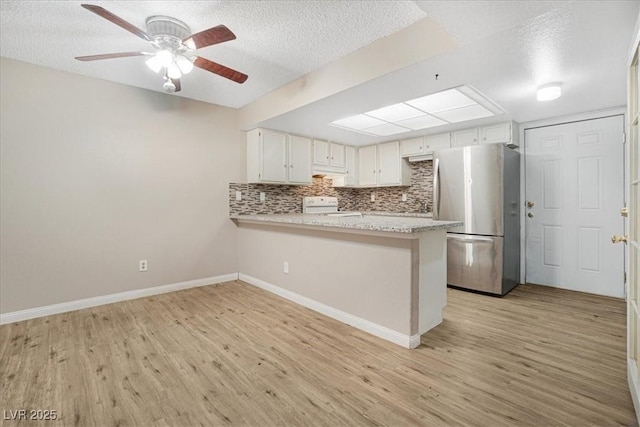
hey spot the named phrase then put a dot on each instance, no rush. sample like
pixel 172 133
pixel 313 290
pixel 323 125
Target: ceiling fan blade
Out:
pixel 176 83
pixel 209 37
pixel 100 11
pixel 221 70
pixel 111 56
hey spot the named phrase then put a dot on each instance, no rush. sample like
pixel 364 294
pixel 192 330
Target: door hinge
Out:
pixel 624 137
pixel 625 277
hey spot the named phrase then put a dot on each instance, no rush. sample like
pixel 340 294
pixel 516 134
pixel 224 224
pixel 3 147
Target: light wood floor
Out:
pixel 235 355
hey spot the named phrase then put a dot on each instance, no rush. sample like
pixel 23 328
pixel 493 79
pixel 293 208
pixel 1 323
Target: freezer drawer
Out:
pixel 475 262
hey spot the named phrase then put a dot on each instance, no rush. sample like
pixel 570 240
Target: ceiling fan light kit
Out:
pixel 174 45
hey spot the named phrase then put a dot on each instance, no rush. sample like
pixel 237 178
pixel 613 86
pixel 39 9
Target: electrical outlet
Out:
pixel 238 195
pixel 143 265
pixel 263 197
pixel 404 197
pixel 373 197
pixel 285 267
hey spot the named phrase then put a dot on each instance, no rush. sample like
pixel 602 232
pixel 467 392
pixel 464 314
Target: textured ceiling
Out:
pixel 277 41
pixel 506 49
pixel 505 55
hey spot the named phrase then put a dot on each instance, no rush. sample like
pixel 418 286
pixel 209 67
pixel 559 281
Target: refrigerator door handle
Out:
pixel 436 189
pixel 470 239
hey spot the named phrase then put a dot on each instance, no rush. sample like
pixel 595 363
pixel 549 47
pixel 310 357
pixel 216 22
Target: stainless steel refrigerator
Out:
pixel 480 185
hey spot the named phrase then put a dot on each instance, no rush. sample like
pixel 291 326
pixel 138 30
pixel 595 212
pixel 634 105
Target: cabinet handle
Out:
pixel 285 166
pixel 331 157
pixel 484 139
pixel 475 139
pixel 291 166
pixel 327 157
pixel 380 171
pixel 419 148
pixel 374 171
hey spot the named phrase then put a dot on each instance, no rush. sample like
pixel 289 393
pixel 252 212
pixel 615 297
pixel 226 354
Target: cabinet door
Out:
pixel 437 142
pixel 299 160
pixel 274 156
pixel 350 166
pixel 412 147
pixel 500 133
pixel 389 163
pixel 320 152
pixel 367 171
pixel 336 157
pixel 462 138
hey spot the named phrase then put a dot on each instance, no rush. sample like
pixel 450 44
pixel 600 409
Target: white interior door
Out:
pixel 573 194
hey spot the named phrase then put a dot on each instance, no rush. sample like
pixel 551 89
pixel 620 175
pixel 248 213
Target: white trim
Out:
pixel 589 115
pixel 634 385
pixel 407 341
pixel 47 310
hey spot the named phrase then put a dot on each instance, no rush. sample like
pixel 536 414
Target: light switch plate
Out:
pixel 263 196
pixel 373 197
pixel 238 195
pixel 404 197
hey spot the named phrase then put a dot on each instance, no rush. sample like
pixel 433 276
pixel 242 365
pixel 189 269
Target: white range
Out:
pixel 320 205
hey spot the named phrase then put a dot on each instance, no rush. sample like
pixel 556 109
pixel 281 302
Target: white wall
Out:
pixel 96 176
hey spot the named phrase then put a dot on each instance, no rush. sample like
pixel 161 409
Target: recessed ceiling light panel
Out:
pixel 386 129
pixel 470 112
pixel 442 101
pixel 455 105
pixel 358 122
pixel 422 122
pixel 395 112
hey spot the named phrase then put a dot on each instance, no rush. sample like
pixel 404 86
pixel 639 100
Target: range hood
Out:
pixel 327 173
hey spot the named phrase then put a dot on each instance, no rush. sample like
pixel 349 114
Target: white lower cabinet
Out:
pixel 381 165
pixel 277 158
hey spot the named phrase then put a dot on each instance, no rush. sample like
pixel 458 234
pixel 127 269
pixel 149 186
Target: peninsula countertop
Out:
pixel 392 223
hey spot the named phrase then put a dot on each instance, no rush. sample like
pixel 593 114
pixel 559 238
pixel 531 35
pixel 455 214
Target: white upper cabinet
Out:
pixel 336 155
pixel 367 166
pixel 299 160
pixel 321 152
pixel 412 147
pixel 381 165
pixel 424 145
pixel 329 154
pixel 500 133
pixel 465 137
pixel 351 171
pixel 277 158
pixel 440 141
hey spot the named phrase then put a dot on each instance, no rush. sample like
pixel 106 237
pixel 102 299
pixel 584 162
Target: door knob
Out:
pixel 530 204
pixel 617 239
pixel 530 215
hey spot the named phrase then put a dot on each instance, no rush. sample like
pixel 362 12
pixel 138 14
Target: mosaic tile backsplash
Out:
pixel 288 198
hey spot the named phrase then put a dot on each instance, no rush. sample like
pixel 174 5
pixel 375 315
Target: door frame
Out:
pixel 599 114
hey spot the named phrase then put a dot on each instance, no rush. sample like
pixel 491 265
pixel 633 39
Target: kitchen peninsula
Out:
pixel 382 274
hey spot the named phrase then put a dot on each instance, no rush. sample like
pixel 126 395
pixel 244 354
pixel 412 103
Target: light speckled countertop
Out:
pixel 372 222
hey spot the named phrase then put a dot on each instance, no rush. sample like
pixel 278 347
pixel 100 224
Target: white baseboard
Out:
pixel 379 331
pixel 634 386
pixel 31 313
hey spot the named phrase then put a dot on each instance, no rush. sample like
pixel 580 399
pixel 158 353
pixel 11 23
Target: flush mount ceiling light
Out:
pixel 450 106
pixel 549 92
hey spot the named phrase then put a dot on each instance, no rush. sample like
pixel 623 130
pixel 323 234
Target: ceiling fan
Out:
pixel 174 45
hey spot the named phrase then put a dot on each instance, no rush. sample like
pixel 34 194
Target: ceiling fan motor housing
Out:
pixel 168 32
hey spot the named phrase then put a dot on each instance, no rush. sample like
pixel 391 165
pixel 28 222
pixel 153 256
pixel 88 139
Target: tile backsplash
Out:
pixel 288 198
